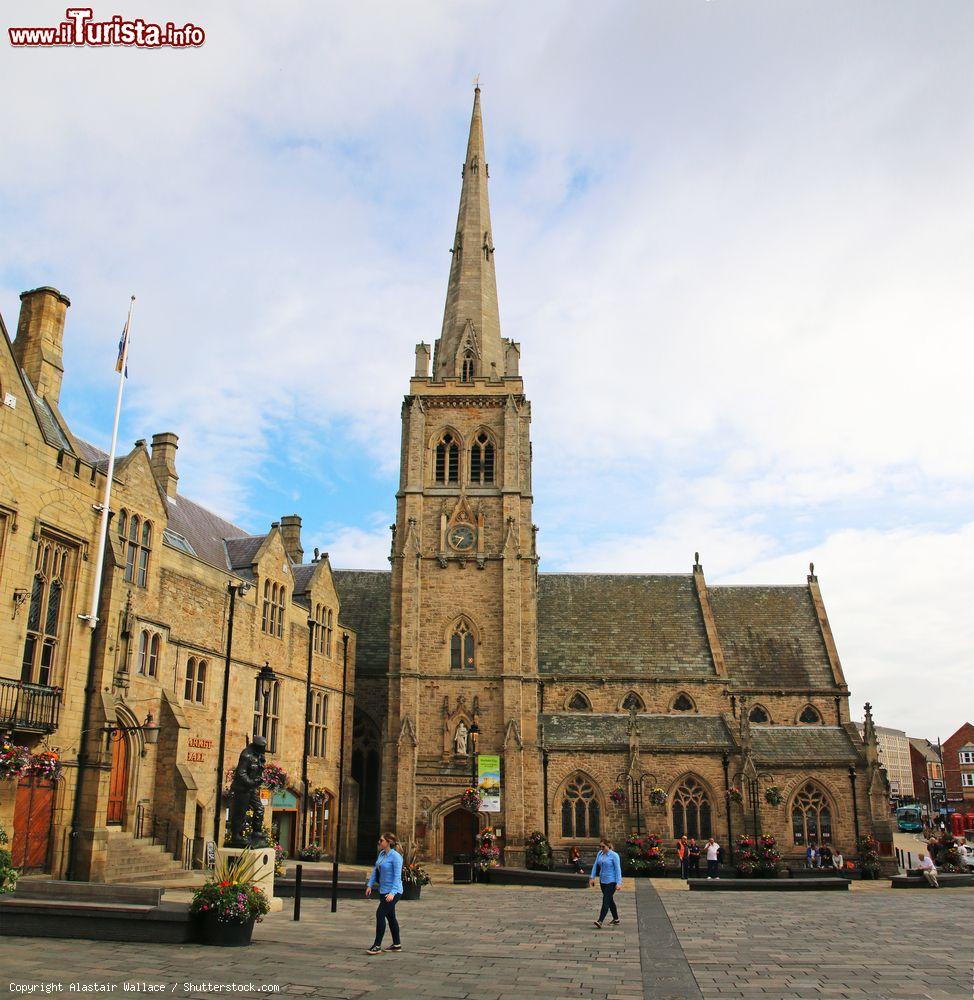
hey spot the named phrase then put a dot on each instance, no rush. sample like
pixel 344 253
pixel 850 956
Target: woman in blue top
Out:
pixel 608 868
pixel 388 871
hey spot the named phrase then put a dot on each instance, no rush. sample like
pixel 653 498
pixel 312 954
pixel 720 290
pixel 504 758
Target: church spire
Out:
pixel 470 341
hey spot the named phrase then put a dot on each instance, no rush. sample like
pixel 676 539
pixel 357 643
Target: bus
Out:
pixel 909 819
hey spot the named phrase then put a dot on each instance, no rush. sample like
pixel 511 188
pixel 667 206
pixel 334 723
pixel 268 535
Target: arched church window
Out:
pixel 811 817
pixel 579 703
pixel 759 715
pixel 810 716
pixel 447 468
pixel 633 703
pixel 581 815
pixel 691 810
pixel 466 368
pixel 482 460
pixel 462 643
pixel 683 703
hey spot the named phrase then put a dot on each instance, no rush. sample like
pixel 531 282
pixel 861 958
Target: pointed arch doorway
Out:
pixel 119 780
pixel 460 829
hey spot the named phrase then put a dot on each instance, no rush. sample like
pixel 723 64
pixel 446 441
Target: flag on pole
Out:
pixel 123 349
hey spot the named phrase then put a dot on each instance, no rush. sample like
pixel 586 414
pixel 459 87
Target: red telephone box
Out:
pixel 957 824
pixel 969 825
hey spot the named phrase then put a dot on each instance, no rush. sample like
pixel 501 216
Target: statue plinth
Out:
pixel 264 874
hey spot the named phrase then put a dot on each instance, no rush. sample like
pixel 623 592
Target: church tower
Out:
pixel 463 661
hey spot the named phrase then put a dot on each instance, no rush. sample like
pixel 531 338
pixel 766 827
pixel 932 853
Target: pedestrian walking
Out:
pixel 693 850
pixel 929 870
pixel 608 870
pixel 388 873
pixel 713 854
pixel 683 852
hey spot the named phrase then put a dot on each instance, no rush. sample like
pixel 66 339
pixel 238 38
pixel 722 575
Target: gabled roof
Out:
pixel 600 623
pixel 364 596
pixel 50 427
pixel 242 552
pixel 656 732
pixel 92 455
pixel 771 636
pixel 802 744
pixel 303 573
pixel 204 530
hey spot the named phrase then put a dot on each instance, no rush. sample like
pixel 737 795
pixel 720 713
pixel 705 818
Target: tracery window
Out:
pixel 810 716
pixel 482 460
pixel 462 656
pixel 811 816
pixel 759 715
pixel 45 616
pixel 466 368
pixel 683 703
pixel 691 811
pixel 447 461
pixel 633 703
pixel 580 811
pixel 579 703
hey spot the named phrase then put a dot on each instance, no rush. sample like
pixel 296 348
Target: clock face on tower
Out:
pixel 461 537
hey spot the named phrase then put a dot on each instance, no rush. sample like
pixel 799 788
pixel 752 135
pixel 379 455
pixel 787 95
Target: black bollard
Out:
pixel 297 893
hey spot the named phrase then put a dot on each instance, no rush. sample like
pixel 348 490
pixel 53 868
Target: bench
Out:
pixel 769 885
pixel 532 876
pixel 53 908
pixel 913 879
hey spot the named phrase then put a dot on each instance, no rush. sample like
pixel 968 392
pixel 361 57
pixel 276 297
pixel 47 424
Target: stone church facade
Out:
pixel 583 684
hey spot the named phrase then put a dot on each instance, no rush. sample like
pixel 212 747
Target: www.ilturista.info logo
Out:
pixel 80 28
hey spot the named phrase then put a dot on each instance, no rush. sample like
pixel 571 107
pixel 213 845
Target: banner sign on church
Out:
pixel 489 782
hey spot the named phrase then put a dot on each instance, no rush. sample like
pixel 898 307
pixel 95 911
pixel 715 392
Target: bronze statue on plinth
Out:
pixel 246 809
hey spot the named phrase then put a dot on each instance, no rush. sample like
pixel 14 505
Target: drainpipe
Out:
pixel 232 589
pixel 855 805
pixel 307 737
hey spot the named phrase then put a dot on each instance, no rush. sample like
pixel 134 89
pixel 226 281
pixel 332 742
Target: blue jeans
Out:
pixel 387 913
pixel 608 901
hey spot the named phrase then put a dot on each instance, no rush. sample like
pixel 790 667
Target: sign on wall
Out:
pixel 489 782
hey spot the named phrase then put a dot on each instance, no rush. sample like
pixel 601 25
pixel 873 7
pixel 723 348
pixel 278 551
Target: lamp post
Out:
pixel 341 780
pixel 233 589
pixel 730 831
pixel 855 805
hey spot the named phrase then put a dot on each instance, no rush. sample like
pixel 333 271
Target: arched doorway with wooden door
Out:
pixel 460 829
pixel 118 781
pixel 33 822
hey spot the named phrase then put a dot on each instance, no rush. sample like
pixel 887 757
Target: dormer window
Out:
pixel 447 468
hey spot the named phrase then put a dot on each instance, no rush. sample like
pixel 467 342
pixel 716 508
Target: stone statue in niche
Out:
pixel 460 739
pixel 246 809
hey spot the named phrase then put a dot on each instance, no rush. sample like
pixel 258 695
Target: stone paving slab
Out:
pixel 864 944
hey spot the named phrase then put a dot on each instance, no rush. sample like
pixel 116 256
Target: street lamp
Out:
pixel 265 684
pixel 855 805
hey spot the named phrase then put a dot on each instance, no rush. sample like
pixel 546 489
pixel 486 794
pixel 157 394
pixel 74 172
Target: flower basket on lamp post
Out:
pixel 773 796
pixel 471 799
pixel 656 797
pixel 734 794
pixel 619 796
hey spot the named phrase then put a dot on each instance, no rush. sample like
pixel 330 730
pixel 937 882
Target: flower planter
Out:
pixel 224 934
pixel 411 891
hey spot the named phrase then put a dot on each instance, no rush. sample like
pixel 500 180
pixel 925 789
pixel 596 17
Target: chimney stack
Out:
pixel 291 536
pixel 40 332
pixel 163 461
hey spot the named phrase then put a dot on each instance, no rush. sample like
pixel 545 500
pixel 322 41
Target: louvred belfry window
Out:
pixel 447 460
pixel 482 460
pixel 46 614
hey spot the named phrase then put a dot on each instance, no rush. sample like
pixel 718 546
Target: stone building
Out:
pixel 958 758
pixel 134 708
pixel 581 683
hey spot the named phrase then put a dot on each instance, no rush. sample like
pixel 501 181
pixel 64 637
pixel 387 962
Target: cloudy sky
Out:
pixel 735 240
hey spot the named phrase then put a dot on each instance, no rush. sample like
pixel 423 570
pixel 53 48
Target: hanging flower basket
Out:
pixel 471 799
pixel 773 796
pixel 274 777
pixel 318 795
pixel 619 796
pixel 657 797
pixel 734 794
pixel 46 764
pixel 14 760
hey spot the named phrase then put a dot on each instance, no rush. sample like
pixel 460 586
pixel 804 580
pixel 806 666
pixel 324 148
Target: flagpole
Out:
pixel 92 619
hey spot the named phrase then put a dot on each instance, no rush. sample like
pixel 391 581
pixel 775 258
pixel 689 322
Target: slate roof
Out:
pixel 801 744
pixel 49 425
pixel 203 529
pixel 92 455
pixel 242 552
pixel 364 597
pixel 302 576
pixel 771 636
pixel 596 623
pixel 661 732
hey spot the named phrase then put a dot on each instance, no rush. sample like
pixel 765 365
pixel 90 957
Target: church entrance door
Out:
pixel 459 834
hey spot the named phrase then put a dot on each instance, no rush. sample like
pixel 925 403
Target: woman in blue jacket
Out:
pixel 608 868
pixel 388 872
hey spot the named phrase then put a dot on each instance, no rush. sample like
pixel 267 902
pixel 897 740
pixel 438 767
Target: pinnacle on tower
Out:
pixel 470 342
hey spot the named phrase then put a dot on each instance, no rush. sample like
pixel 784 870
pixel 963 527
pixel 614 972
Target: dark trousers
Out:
pixel 695 864
pixel 386 913
pixel 684 862
pixel 608 901
pixel 711 869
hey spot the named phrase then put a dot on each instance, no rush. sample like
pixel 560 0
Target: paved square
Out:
pixel 493 943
